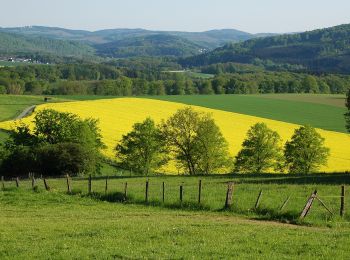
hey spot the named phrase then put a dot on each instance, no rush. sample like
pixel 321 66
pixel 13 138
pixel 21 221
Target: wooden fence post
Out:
pixel 308 205
pixel 229 194
pixel 33 181
pixel 106 185
pixel 89 184
pixel 181 193
pixel 285 203
pixel 126 190
pixel 69 190
pixel 199 191
pixel 258 199
pixel 3 182
pixel 17 182
pixel 163 192
pixel 47 187
pixel 146 192
pixel 342 201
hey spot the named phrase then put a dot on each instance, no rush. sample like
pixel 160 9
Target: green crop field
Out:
pixel 55 225
pixel 321 111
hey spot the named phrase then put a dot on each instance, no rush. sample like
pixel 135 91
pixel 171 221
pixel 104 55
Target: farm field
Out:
pixel 56 225
pixel 320 111
pixel 118 115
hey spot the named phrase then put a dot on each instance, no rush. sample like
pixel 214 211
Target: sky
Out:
pixel 254 16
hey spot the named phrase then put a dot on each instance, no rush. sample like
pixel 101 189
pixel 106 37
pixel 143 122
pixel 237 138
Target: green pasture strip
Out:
pixel 322 116
pixel 54 225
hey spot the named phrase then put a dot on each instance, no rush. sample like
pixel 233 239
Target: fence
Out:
pixel 196 191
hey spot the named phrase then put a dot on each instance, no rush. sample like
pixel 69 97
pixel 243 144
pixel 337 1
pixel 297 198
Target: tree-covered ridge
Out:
pixel 324 50
pixel 14 44
pixel 152 45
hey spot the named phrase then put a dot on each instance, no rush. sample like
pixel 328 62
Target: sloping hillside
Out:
pixel 14 44
pixel 325 50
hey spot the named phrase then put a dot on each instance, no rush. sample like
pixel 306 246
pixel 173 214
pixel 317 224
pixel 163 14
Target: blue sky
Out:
pixel 191 15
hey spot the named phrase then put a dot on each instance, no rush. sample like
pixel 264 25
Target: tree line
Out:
pixel 101 79
pixel 62 143
pixel 195 143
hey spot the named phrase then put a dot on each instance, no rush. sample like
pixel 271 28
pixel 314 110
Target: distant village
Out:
pixel 19 60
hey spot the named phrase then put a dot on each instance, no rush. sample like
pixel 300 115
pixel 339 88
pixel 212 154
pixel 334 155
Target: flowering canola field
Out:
pixel 116 117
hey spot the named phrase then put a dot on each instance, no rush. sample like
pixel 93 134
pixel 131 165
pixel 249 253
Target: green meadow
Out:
pixel 55 225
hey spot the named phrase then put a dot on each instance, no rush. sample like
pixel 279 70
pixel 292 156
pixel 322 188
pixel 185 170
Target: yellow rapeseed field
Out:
pixel 117 116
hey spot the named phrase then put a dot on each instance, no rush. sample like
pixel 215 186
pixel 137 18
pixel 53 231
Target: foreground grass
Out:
pixel 321 111
pixel 58 226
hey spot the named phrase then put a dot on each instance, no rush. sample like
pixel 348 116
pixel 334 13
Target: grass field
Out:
pixel 59 226
pixel 321 111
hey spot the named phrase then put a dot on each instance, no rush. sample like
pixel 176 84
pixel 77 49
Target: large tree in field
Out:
pixel 59 138
pixel 347 115
pixel 142 150
pixel 305 152
pixel 196 142
pixel 261 151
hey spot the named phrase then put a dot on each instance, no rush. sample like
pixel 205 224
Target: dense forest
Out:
pixel 325 50
pixel 102 79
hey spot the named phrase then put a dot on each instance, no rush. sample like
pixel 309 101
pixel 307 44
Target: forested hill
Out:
pixel 17 45
pixel 152 45
pixel 324 50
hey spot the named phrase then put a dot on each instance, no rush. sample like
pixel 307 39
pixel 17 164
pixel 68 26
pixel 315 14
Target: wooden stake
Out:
pixel 69 190
pixel 285 203
pixel 3 182
pixel 163 192
pixel 258 199
pixel 33 182
pixel 342 201
pixel 106 185
pixel 126 190
pixel 89 184
pixel 199 191
pixel 47 187
pixel 229 194
pixel 308 205
pixel 181 193
pixel 17 182
pixel 146 192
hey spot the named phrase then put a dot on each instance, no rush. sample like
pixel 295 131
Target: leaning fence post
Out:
pixel 308 205
pixel 17 182
pixel 163 192
pixel 342 201
pixel 199 191
pixel 69 190
pixel 258 199
pixel 47 187
pixel 181 193
pixel 146 192
pixel 89 184
pixel 2 182
pixel 285 203
pixel 229 194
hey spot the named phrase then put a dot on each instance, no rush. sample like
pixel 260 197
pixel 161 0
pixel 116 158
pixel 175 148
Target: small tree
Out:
pixel 347 115
pixel 261 151
pixel 196 141
pixel 143 149
pixel 305 152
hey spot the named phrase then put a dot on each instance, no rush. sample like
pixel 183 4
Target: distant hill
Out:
pixel 208 39
pixel 151 45
pixel 15 44
pixel 324 50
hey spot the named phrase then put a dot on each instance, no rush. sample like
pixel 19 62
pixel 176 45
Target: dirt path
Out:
pixel 26 112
